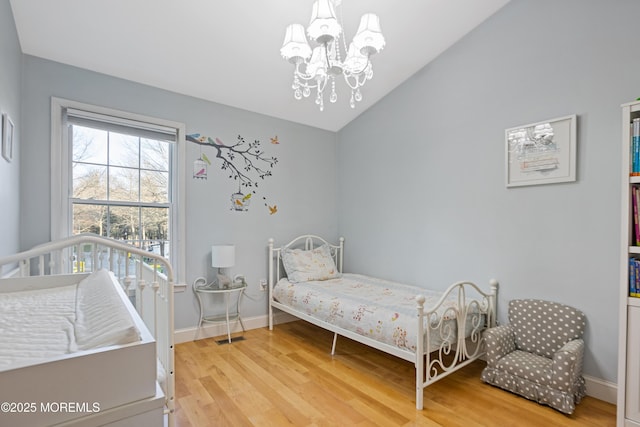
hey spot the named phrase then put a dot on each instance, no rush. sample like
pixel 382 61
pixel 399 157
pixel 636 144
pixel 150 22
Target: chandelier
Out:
pixel 318 68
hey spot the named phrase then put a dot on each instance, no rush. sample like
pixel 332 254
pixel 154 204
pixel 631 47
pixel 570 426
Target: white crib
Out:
pixel 91 381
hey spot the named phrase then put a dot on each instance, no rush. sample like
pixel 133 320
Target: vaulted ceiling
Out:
pixel 227 51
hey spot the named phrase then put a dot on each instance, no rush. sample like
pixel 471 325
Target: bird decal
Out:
pixel 274 140
pixel 272 209
pixel 198 137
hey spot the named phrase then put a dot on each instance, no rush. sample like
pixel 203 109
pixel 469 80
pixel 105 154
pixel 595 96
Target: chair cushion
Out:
pixel 529 366
pixel 543 327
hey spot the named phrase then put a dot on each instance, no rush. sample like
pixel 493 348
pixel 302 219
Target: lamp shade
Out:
pixel 295 47
pixel 369 37
pixel 223 256
pixel 324 26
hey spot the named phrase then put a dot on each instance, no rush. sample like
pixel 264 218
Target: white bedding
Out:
pixel 379 309
pixel 37 325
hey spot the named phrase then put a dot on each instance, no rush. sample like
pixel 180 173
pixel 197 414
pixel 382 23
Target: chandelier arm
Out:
pixel 347 79
pixel 322 83
pixel 356 77
pixel 304 76
pixel 367 65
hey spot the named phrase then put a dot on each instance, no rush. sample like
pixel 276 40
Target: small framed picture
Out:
pixel 541 153
pixel 7 137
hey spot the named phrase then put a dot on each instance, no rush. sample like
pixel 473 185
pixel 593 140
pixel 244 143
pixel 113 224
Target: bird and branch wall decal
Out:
pixel 245 161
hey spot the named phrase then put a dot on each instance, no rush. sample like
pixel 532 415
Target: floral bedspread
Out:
pixel 379 309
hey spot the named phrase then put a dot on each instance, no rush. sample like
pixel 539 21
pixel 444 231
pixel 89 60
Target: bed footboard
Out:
pixel 454 331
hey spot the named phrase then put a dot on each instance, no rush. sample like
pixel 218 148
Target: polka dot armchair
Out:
pixel 539 353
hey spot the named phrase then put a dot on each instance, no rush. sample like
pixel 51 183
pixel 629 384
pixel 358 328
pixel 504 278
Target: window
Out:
pixel 118 177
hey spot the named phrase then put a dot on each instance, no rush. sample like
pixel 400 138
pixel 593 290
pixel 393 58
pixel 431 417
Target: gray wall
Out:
pixel 10 59
pixel 423 197
pixel 303 192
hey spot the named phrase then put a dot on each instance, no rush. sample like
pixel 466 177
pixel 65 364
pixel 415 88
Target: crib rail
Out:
pixel 147 279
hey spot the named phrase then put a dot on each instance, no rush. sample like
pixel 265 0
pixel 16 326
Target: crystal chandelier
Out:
pixel 318 68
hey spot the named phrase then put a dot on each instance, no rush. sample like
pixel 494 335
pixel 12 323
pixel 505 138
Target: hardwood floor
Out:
pixel 287 377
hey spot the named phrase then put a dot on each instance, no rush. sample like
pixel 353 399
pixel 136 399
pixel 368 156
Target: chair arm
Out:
pixel 567 365
pixel 499 341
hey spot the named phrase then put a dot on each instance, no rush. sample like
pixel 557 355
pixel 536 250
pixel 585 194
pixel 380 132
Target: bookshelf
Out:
pixel 629 327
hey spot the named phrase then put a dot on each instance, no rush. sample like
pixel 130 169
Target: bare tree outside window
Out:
pixel 120 187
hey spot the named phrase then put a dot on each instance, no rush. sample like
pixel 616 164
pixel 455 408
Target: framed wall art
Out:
pixel 541 153
pixel 7 137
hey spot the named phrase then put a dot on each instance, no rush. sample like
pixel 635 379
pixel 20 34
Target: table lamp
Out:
pixel 223 256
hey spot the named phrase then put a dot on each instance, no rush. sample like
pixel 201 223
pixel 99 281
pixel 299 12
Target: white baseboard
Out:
pixel 601 389
pixel 596 387
pixel 220 329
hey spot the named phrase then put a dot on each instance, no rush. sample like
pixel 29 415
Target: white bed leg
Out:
pixel 270 283
pixel 333 347
pixel 420 354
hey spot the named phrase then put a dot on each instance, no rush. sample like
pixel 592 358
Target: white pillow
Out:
pixel 303 266
pixel 101 317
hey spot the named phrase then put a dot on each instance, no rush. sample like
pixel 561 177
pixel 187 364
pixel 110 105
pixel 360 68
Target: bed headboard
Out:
pixel 306 242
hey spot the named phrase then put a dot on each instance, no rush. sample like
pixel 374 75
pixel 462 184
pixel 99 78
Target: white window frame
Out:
pixel 61 167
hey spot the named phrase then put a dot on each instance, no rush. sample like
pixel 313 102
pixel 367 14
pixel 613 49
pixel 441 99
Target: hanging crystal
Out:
pixel 358 95
pixel 334 96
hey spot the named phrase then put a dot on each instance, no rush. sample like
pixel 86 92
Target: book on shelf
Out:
pixel 634 277
pixel 635 147
pixel 635 201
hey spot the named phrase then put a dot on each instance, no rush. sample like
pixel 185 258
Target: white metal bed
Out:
pixel 442 346
pixel 119 385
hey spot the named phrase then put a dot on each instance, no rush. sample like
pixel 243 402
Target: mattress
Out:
pixel 378 309
pixel 37 325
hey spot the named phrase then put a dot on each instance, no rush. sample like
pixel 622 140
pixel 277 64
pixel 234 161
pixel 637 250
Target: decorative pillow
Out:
pixel 303 266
